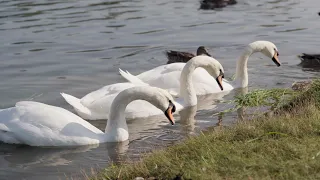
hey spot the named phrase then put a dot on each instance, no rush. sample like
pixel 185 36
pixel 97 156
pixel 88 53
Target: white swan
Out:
pixel 93 106
pixel 96 105
pixel 167 76
pixel 38 124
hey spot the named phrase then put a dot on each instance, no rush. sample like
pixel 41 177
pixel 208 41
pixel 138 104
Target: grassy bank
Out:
pixel 285 146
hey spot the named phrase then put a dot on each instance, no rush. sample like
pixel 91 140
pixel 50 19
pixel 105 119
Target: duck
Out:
pixel 309 60
pixel 213 4
pixel 37 124
pixel 180 56
pixel 167 76
pixel 93 106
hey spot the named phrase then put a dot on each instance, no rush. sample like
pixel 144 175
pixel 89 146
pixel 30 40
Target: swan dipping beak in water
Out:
pixel 275 58
pixel 219 79
pixel 171 109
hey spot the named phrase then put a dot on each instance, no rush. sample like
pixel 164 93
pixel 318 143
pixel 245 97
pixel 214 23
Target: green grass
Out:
pixel 285 146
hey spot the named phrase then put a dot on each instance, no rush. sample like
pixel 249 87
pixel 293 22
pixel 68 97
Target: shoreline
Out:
pixel 285 145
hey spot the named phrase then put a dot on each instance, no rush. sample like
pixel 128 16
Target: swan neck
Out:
pixel 187 90
pixel 242 68
pixel 117 111
pixel 117 115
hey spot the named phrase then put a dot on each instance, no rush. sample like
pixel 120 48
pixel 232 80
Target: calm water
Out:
pixel 77 46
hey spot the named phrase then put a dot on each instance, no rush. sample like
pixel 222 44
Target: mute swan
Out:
pixel 166 76
pixel 37 124
pixel 94 105
pixel 179 56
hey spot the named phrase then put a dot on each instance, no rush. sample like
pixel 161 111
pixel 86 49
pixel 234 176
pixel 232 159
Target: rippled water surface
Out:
pixel 77 46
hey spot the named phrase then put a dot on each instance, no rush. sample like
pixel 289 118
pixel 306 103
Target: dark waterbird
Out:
pixel 179 56
pixel 213 4
pixel 310 60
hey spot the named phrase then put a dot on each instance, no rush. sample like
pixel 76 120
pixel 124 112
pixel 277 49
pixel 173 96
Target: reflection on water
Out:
pixel 76 47
pixel 44 162
pixel 187 120
pixel 241 110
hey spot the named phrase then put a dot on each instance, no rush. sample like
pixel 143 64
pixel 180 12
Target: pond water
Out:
pixel 77 46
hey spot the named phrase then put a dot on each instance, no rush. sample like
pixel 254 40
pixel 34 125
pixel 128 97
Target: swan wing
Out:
pixel 136 109
pixel 168 77
pixel 112 89
pixel 99 101
pixel 165 77
pixel 141 109
pixel 204 83
pixel 38 124
pixel 146 109
pixel 131 78
pixel 160 70
pixel 96 105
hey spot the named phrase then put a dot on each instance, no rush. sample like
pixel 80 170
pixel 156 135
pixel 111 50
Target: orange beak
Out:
pixel 275 59
pixel 219 81
pixel 169 111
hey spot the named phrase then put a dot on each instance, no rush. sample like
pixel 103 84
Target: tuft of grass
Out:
pixel 311 95
pixel 265 97
pixel 286 146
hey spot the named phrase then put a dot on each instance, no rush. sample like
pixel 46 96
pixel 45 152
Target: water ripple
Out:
pixel 85 51
pixel 127 47
pixel 149 32
pixel 93 19
pixel 105 3
pixel 271 25
pixel 23 42
pixel 201 24
pixel 292 30
pixel 36 25
pixel 77 46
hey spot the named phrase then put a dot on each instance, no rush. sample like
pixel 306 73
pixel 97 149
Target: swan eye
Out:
pixel 276 51
pixel 173 109
pixel 221 73
pixel 173 106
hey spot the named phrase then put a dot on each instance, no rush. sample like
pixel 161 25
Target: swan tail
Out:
pixel 76 104
pixel 131 78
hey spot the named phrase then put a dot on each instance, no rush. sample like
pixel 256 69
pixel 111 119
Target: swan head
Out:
pixel 268 49
pixel 215 69
pixel 164 101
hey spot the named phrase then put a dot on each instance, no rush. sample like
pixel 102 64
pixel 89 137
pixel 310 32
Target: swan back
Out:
pixel 38 124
